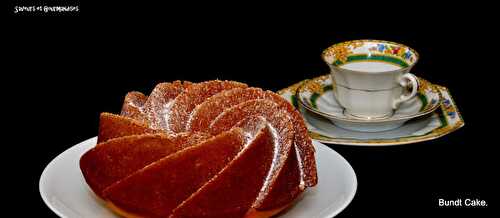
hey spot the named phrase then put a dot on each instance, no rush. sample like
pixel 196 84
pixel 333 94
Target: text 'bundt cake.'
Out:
pixel 209 149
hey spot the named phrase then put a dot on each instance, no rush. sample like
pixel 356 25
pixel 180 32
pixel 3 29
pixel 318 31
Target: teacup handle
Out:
pixel 406 80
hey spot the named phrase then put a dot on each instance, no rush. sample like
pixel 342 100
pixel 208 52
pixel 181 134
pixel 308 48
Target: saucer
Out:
pixel 317 96
pixel 434 125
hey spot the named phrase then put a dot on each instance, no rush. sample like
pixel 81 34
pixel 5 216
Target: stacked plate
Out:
pixel 430 114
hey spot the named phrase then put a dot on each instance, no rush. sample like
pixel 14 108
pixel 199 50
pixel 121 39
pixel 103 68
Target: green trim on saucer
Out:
pixel 327 88
pixel 448 124
pixel 442 117
pixel 293 99
pixel 424 101
pixel 314 98
pixel 365 57
pixel 317 87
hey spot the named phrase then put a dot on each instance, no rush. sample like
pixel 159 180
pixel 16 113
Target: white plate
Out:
pixel 64 190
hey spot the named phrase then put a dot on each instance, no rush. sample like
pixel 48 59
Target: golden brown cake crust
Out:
pixel 216 104
pixel 114 126
pixel 302 141
pixel 117 158
pixel 283 125
pixel 156 106
pixel 133 106
pixel 208 110
pixel 195 94
pixel 210 149
pixel 232 192
pixel 158 188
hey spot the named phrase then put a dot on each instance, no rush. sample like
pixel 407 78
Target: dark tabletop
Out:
pixel 65 71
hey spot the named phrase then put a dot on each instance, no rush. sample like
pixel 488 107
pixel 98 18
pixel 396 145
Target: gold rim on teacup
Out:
pixel 343 50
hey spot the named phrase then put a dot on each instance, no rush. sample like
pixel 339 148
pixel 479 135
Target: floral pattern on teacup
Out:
pixel 394 50
pixel 342 50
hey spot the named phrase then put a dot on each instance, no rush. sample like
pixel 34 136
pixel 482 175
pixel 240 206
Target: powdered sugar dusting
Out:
pixel 302 142
pixel 282 126
pixel 267 182
pixel 207 111
pixel 193 113
pixel 159 102
pixel 133 106
pixel 165 114
pixel 195 94
pixel 301 167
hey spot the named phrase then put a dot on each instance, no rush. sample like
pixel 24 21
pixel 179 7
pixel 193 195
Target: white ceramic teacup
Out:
pixel 371 77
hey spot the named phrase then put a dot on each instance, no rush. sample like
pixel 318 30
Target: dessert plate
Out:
pixel 317 96
pixel 442 121
pixel 65 192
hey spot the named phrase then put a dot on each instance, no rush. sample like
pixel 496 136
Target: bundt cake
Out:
pixel 209 149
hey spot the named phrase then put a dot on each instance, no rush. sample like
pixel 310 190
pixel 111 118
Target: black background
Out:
pixel 60 72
